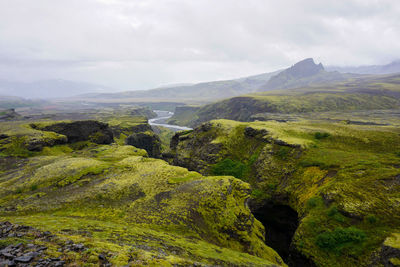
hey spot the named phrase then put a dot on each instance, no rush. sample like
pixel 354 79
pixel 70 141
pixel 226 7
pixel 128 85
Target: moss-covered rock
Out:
pixel 148 141
pixel 342 180
pixel 19 139
pixel 389 255
pixel 135 209
pixel 90 130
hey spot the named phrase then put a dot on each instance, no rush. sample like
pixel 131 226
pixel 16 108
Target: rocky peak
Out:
pixel 300 74
pixel 304 68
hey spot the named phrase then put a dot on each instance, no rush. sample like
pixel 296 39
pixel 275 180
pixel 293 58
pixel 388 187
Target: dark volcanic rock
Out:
pixel 25 258
pixel 38 144
pixel 389 252
pixel 7 263
pixel 90 130
pixel 251 132
pixel 147 141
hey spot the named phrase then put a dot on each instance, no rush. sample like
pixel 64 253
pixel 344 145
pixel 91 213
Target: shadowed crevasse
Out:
pixel 280 222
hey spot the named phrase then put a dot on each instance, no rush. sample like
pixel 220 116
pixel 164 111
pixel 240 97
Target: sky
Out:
pixel 142 44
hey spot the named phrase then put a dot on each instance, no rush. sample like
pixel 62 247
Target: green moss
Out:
pixel 17 148
pixel 395 261
pixel 4 242
pixel 371 219
pixel 319 135
pixel 34 187
pixel 340 239
pixel 56 150
pixel 334 213
pixel 314 202
pixel 328 181
pixel 283 152
pixel 129 199
pixel 165 136
pixel 393 241
pixel 97 137
pixel 229 167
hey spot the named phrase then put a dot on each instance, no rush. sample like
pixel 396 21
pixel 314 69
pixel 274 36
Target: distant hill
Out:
pixel 46 89
pixel 206 91
pixel 364 93
pixel 393 67
pixel 12 102
pixel 303 73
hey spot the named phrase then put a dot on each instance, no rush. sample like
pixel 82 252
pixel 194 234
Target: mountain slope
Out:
pixel 366 93
pixel 206 91
pixel 393 67
pixel 48 88
pixel 303 73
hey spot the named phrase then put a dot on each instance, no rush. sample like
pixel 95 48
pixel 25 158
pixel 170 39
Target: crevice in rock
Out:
pixel 280 222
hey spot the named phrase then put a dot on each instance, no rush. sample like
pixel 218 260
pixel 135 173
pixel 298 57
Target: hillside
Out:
pixel 7 102
pixel 393 67
pixel 326 192
pixel 303 73
pixel 45 89
pixel 365 93
pixel 206 91
pixel 71 195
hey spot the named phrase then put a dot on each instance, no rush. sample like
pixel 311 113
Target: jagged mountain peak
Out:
pixel 304 68
pixel 303 73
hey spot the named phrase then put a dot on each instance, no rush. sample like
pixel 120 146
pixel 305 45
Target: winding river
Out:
pixel 161 120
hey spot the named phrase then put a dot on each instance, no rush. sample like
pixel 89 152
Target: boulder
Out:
pixel 147 141
pixel 390 251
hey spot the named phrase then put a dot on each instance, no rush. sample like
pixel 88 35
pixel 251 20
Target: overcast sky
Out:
pixel 140 44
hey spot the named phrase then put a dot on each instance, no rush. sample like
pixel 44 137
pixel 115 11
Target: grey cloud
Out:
pixel 138 44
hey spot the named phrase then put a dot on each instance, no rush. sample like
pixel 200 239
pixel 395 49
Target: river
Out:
pixel 161 120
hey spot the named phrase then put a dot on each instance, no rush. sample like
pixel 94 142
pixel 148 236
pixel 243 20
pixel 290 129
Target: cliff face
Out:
pixel 76 131
pixel 338 184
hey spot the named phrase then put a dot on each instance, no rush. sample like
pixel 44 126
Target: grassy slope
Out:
pixel 113 199
pixel 342 176
pixel 370 93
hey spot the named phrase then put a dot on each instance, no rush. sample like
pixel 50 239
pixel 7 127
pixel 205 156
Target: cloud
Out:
pixel 138 44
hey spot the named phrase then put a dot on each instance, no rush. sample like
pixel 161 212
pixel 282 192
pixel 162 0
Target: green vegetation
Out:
pixel 115 199
pixel 340 238
pixel 352 95
pixel 319 135
pixel 342 179
pixel 229 167
pixel 165 136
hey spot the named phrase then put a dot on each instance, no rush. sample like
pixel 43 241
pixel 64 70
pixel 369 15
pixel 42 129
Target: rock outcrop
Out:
pixel 389 255
pixel 90 130
pixel 148 141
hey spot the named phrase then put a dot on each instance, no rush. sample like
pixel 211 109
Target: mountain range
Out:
pixel 45 89
pixel 392 67
pixel 303 73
